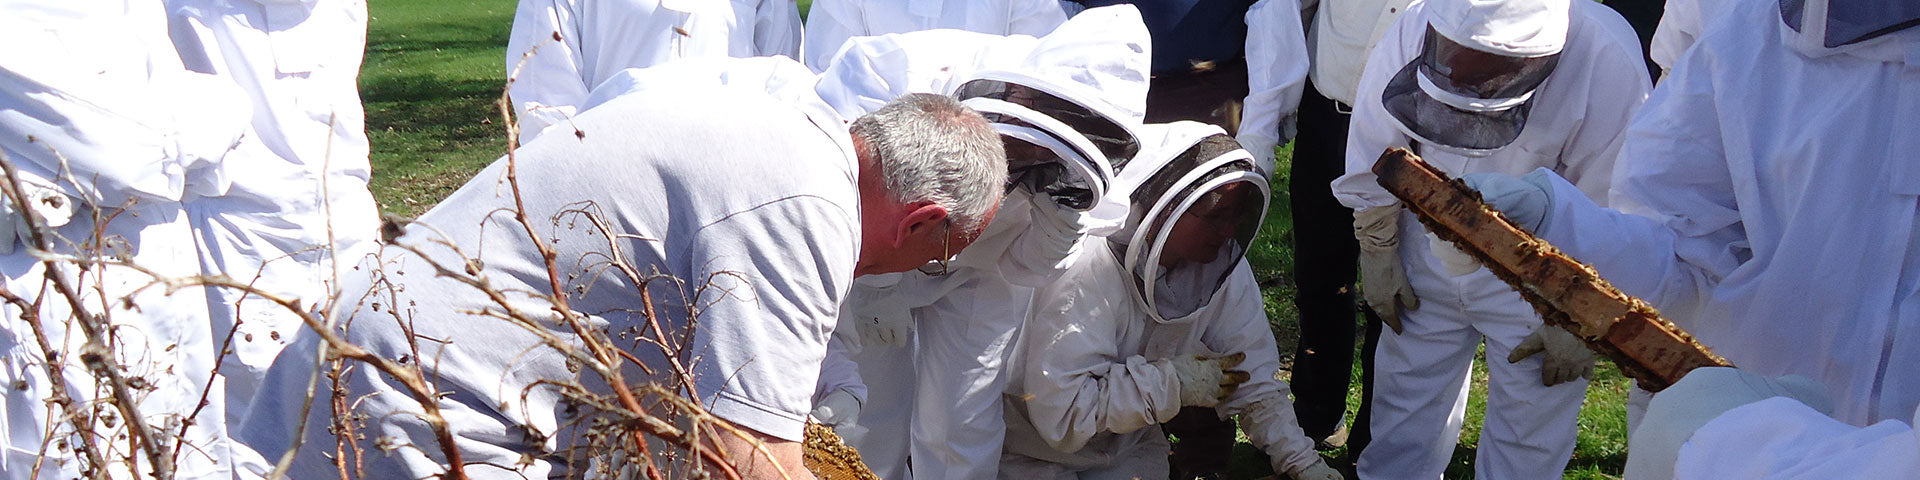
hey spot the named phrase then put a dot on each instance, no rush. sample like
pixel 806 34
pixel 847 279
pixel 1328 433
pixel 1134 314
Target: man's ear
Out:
pixel 922 218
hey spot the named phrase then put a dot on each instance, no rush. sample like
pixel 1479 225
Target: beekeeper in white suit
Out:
pixel 1503 86
pixel 292 197
pixel 1160 315
pixel 561 49
pixel 832 23
pixel 1066 106
pixel 103 123
pixel 1768 215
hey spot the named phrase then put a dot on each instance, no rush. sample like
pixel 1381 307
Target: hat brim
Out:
pixel 1431 121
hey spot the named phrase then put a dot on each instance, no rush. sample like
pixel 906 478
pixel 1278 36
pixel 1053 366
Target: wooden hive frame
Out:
pixel 1645 346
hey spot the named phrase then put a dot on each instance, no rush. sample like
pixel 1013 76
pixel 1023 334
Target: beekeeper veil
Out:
pixel 1195 201
pixel 1471 88
pixel 1068 111
pixel 1817 27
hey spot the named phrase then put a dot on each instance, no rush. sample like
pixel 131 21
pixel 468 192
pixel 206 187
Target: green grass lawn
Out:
pixel 434 69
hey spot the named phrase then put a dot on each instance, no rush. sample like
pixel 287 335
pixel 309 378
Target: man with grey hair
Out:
pixel 752 208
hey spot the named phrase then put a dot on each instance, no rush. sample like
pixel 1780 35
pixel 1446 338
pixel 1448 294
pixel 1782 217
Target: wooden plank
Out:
pixel 1567 293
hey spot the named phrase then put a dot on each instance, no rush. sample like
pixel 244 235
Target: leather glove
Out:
pixel 1383 279
pixel 1206 381
pixel 837 409
pixel 1317 471
pixel 1698 398
pixel 53 206
pixel 1525 200
pixel 1567 357
pixel 1456 262
pixel 874 315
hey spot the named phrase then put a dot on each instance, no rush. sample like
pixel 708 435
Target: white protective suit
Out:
pixel 831 23
pixel 598 38
pixel 1095 363
pixel 101 111
pixel 1421 374
pixel 963 325
pixel 1798 442
pixel 1277 65
pixel 1769 216
pixel 293 196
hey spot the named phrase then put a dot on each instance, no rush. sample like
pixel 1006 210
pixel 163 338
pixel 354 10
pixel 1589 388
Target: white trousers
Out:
pixel 1421 378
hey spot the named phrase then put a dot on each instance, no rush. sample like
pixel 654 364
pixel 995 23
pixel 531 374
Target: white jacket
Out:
pixel 600 37
pixel 1096 371
pixel 1769 215
pixel 830 23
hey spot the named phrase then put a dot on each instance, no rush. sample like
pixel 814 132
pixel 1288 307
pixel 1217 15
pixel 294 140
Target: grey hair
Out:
pixel 932 148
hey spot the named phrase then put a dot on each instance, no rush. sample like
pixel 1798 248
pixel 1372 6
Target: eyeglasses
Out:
pixel 938 267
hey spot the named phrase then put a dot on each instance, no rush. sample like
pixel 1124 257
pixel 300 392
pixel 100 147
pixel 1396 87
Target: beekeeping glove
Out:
pixel 1525 200
pixel 1704 394
pixel 1060 230
pixel 1567 357
pixel 53 206
pixel 837 409
pixel 1319 471
pixel 1383 279
pixel 1205 381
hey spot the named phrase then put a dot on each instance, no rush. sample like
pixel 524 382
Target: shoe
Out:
pixel 1333 440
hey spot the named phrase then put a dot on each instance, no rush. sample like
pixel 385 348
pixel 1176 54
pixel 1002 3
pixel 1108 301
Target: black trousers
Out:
pixel 1325 257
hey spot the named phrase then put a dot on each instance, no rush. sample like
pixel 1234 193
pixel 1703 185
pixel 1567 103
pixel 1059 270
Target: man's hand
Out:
pixel 1383 279
pixel 1567 357
pixel 1206 381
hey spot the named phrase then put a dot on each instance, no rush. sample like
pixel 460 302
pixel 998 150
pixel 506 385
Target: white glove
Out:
pixel 1456 262
pixel 1206 381
pixel 837 409
pixel 1567 357
pixel 53 206
pixel 1698 398
pixel 1317 471
pixel 875 315
pixel 1525 200
pixel 1383 279
pixel 1060 230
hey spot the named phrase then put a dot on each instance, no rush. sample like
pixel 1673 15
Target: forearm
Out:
pixel 762 457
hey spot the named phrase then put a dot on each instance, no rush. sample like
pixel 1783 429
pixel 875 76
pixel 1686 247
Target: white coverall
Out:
pixel 1421 374
pixel 597 38
pixel 293 196
pixel 101 110
pixel 1770 216
pixel 1798 442
pixel 831 23
pixel 947 401
pixel 1096 380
